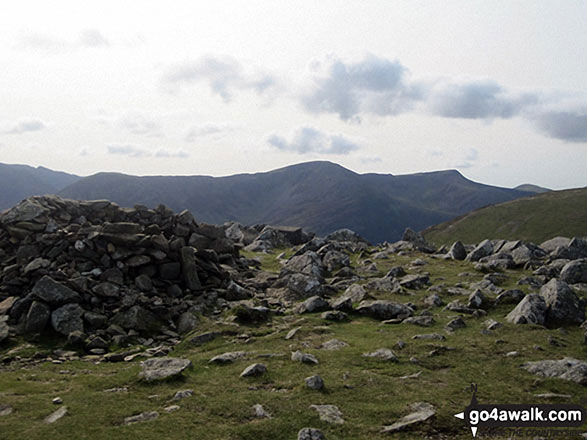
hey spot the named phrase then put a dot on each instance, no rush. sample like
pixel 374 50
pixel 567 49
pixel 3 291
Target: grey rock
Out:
pixel 455 324
pixel 531 310
pixel 568 368
pixel 107 290
pixel 56 415
pixel 260 412
pixel 7 304
pixel 162 368
pixel 329 414
pixel 552 244
pixel 415 281
pixel 421 412
pixel 309 263
pixel 144 283
pixel 335 315
pixel 422 321
pixel 5 410
pixel 54 293
pixel 189 268
pixel 37 317
pixel 562 304
pixel 313 304
pixel 483 249
pixel 227 358
pixel 492 324
pixel 300 285
pixel 477 300
pixel 574 272
pixel 203 338
pixel 139 418
pixel 139 319
pixel 186 322
pixel 254 370
pixel 304 358
pixel 430 336
pixel 182 394
pixel 345 235
pixel 67 319
pixel 433 300
pixel 457 251
pixel 384 354
pixel 251 315
pixel 310 434
pixel 314 382
pixel 3 331
pixel 513 296
pixel 333 344
pixel 383 309
pixel 170 271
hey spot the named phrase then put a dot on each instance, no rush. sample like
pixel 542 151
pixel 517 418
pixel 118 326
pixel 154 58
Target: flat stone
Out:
pixel 162 368
pixel 7 304
pixel 430 336
pixel 142 417
pixel 54 293
pixel 67 319
pixel 56 415
pixel 383 353
pixel 329 414
pixel 179 395
pixel 568 368
pixel 333 344
pixel 422 411
pixel 5 410
pixel 226 358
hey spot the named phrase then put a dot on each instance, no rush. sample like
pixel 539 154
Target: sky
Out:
pixel 497 90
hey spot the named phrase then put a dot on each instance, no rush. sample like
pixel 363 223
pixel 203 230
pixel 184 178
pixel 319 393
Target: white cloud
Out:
pixel 210 128
pixel 309 140
pixel 172 154
pixel 87 38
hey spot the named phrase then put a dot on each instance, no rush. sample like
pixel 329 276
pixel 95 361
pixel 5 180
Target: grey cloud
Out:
pixel 475 100
pixel 373 85
pixel 139 123
pixel 569 126
pixel 225 75
pixel 87 38
pixel 128 150
pixel 24 126
pixel 309 140
pixel 172 154
pixel 209 128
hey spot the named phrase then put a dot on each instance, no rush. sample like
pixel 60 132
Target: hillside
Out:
pixel 21 181
pixel 319 196
pixel 536 218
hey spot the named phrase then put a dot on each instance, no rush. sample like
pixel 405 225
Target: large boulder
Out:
pixel 37 317
pixel 483 249
pixel 457 251
pixel 139 319
pixel 54 293
pixel 67 319
pixel 345 235
pixel 531 310
pixel 309 263
pixel 574 272
pixel 563 307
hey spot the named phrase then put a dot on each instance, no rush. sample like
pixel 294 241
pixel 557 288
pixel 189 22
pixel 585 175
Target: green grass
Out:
pixel 369 392
pixel 536 219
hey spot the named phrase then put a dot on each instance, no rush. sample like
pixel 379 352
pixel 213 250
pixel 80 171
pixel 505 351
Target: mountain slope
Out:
pixel 21 181
pixel 528 187
pixel 536 218
pixel 320 196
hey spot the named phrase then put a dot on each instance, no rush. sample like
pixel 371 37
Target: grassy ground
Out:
pixel 370 393
pixel 536 219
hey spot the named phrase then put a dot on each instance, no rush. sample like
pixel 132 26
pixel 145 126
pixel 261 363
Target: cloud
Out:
pixel 309 140
pixel 172 154
pixel 225 75
pixel 210 128
pixel 127 150
pixel 139 123
pixel 23 126
pixel 372 85
pixel 87 38
pixel 477 99
pixel 569 126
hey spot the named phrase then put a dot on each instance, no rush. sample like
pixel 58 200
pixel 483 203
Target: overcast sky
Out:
pixel 495 89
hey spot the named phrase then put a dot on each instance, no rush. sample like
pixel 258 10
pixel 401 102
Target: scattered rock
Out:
pixel 162 368
pixel 455 324
pixel 254 370
pixel 383 309
pixel 314 382
pixel 329 414
pixel 313 304
pixel 179 395
pixel 430 336
pixel 304 358
pixel 568 368
pixel 384 354
pixel 335 315
pixel 531 310
pixel 421 412
pixel 56 415
pixel 310 434
pixel 259 412
pixel 562 304
pixel 227 358
pixel 5 410
pixel 333 344
pixel 139 418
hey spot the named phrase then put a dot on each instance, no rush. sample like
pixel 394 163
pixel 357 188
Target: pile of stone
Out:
pixel 98 273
